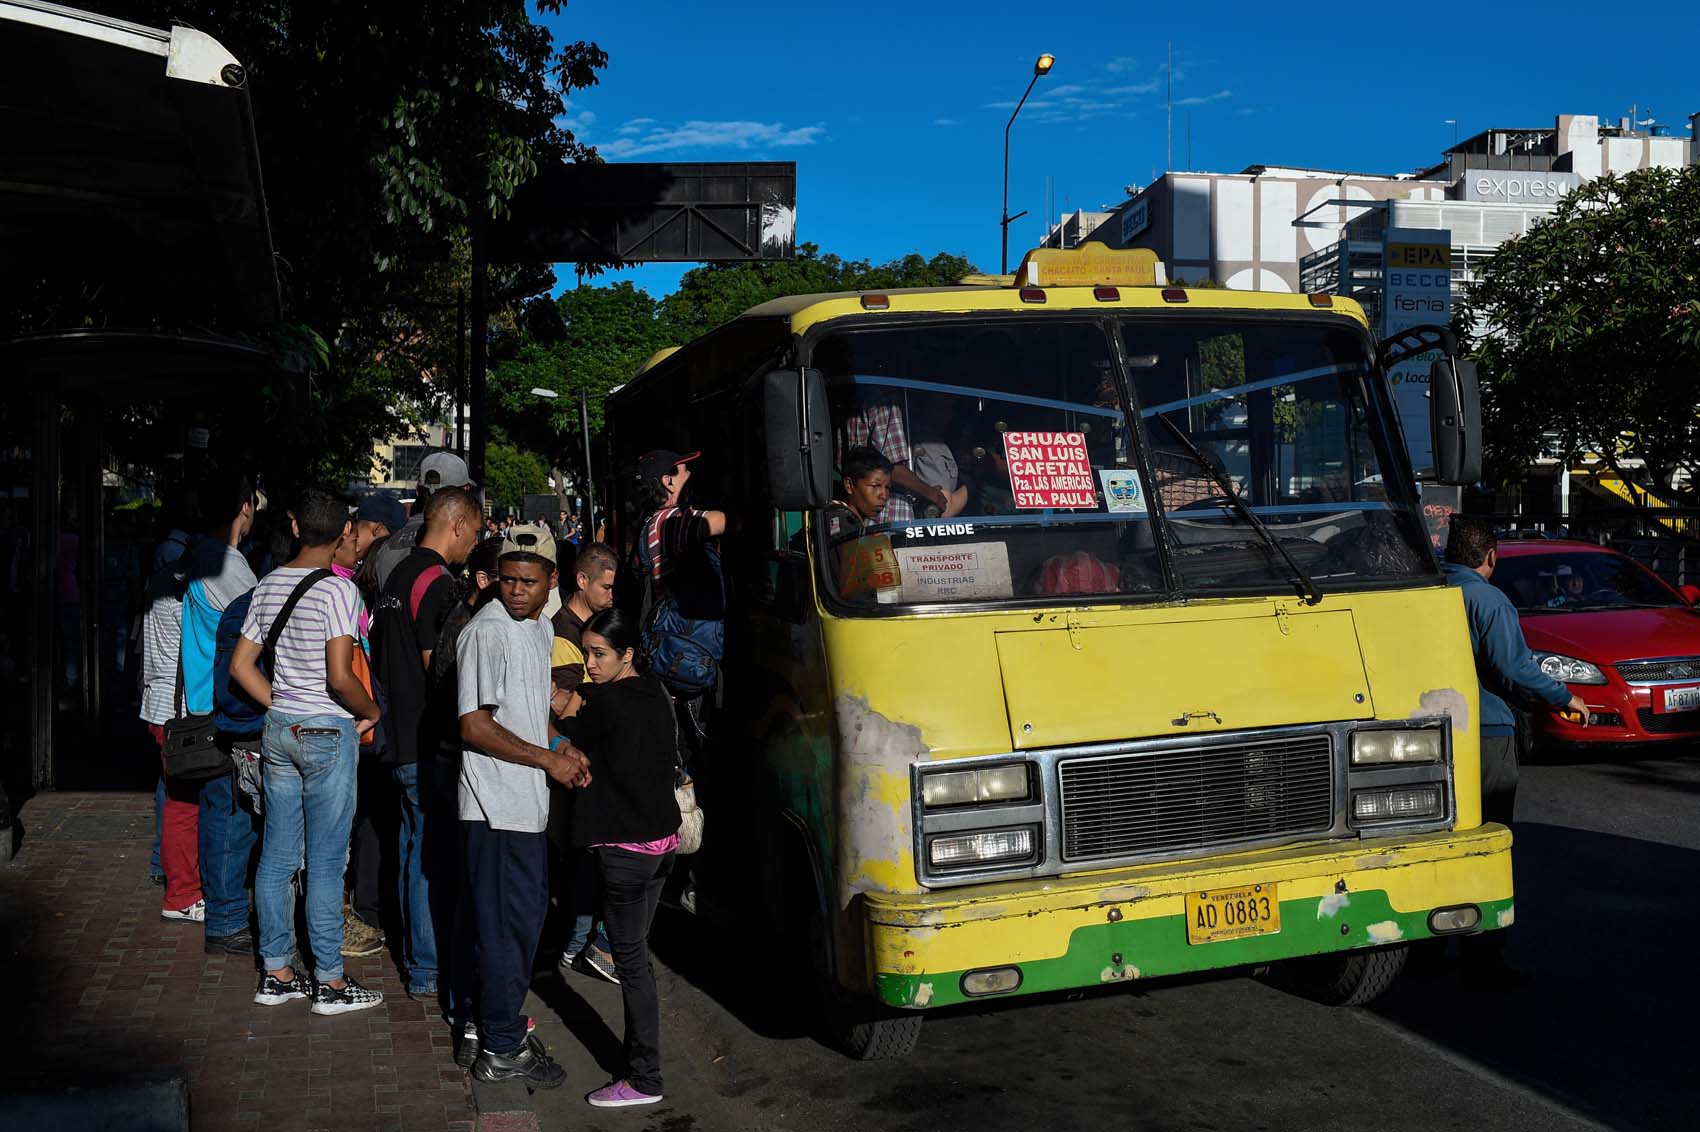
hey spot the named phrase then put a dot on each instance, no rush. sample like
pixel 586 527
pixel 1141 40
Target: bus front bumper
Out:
pixel 1132 923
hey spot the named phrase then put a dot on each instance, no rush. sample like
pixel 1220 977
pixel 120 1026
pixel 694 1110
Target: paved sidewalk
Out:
pixel 101 992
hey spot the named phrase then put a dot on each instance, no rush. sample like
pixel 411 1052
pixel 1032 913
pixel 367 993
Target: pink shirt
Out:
pixel 648 848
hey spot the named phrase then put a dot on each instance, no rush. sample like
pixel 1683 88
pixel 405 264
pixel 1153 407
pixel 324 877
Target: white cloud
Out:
pixel 1201 99
pixel 946 122
pixel 1134 88
pixel 658 138
pixel 634 126
pixel 576 121
pixel 1121 63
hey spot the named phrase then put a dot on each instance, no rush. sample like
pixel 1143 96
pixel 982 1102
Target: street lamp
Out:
pixel 589 481
pixel 1041 66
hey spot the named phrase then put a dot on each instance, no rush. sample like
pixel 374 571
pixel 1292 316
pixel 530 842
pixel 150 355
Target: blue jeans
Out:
pixel 309 766
pixel 419 819
pixel 227 836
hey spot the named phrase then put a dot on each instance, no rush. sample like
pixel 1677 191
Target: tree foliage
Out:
pixel 511 474
pixel 1588 330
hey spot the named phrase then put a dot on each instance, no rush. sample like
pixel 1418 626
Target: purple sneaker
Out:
pixel 620 1095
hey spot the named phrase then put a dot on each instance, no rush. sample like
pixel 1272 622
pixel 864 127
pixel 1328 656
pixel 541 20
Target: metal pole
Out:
pixel 460 371
pixel 1006 218
pixel 480 338
pixel 589 480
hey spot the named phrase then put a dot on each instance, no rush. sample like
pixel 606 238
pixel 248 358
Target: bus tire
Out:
pixel 1348 978
pixel 879 1036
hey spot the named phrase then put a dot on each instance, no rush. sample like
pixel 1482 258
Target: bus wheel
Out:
pixel 1349 978
pixel 869 1032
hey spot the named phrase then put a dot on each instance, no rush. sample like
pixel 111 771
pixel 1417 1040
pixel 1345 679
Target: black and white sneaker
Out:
pixel 274 991
pixel 349 997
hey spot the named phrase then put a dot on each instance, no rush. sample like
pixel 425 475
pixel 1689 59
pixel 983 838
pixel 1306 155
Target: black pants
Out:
pixel 631 888
pixel 1499 800
pixel 507 880
pixel 373 851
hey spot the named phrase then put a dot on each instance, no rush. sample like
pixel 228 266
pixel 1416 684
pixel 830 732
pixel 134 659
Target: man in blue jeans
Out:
pixel 316 711
pixel 219 575
pixel 412 608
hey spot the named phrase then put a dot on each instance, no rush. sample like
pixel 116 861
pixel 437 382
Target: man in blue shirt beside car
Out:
pixel 1506 670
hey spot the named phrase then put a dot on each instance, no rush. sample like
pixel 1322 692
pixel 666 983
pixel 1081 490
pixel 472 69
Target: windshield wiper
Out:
pixel 1307 585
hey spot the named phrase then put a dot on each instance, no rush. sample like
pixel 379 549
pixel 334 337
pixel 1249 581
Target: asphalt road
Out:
pixel 1602 1035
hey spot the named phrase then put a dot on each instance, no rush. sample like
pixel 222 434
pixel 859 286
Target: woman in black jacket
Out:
pixel 629 819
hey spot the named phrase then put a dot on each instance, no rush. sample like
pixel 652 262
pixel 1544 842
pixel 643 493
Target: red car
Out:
pixel 1613 631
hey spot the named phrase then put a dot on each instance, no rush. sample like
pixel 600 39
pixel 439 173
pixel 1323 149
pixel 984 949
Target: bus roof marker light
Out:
pixel 1032 294
pixel 1174 295
pixel 1106 294
pixel 1321 299
pixel 876 302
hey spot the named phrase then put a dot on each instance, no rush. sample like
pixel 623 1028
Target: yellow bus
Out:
pixel 1147 667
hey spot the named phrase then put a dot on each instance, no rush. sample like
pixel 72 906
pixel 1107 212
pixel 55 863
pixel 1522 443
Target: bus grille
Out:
pixel 1171 801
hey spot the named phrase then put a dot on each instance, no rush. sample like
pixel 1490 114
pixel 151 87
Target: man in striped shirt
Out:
pixel 316 711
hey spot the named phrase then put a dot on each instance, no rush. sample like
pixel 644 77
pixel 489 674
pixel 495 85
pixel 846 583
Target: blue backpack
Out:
pixel 233 712
pixel 684 652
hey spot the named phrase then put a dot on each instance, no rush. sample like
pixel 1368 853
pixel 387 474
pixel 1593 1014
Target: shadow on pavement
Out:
pixel 1605 930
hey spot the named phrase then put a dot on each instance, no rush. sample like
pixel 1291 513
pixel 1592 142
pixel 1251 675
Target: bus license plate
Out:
pixel 1679 699
pixel 1232 913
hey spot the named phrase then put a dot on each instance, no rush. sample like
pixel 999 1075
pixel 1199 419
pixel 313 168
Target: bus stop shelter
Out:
pixel 138 266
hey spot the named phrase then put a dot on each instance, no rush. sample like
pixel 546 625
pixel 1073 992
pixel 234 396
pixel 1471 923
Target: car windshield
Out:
pixel 1016 471
pixel 1579 582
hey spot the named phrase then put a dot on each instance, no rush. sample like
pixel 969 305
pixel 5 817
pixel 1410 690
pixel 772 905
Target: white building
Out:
pixel 1264 229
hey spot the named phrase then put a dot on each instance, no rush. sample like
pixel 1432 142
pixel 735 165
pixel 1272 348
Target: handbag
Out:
pixel 685 797
pixel 190 747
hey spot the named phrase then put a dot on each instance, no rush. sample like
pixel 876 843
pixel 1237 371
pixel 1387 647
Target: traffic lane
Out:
pixel 1218 1054
pixel 1605 859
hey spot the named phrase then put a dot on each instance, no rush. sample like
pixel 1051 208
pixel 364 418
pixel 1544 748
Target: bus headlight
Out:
pixel 1008 783
pixel 1569 670
pixel 982 847
pixel 1389 747
pixel 1398 803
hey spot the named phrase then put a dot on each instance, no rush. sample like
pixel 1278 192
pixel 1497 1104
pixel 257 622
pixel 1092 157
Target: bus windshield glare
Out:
pixel 1235 457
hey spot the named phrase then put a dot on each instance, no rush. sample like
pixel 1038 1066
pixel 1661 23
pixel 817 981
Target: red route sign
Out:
pixel 1050 470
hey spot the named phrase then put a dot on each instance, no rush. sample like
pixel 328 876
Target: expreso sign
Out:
pixel 1517 188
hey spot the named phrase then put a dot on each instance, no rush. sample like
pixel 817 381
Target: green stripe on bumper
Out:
pixel 1144 949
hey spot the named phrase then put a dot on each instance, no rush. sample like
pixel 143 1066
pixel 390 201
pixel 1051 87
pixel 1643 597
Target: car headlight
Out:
pixel 1569 670
pixel 1385 747
pixel 1008 783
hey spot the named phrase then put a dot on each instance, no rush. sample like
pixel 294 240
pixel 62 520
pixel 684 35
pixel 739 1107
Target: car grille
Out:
pixel 1169 801
pixel 1668 723
pixel 1660 671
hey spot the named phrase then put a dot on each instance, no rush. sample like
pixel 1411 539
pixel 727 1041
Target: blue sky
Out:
pixel 894 113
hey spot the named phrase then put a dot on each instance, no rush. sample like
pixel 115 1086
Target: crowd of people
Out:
pixel 329 678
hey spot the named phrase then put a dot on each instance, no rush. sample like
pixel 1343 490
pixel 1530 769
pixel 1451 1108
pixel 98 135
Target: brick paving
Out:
pixel 103 992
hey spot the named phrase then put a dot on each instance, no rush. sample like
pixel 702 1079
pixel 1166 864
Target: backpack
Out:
pixel 684 652
pixel 233 712
pixel 390 634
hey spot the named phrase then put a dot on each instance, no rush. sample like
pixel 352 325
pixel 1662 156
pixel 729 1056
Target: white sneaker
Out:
pixel 195 913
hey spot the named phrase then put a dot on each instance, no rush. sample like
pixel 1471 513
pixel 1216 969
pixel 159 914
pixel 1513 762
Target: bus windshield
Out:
pixel 1237 457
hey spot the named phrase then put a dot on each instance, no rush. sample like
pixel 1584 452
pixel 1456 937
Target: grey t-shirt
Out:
pixel 399 545
pixel 503 665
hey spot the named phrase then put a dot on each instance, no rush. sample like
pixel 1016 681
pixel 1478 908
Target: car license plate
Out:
pixel 1677 699
pixel 1232 913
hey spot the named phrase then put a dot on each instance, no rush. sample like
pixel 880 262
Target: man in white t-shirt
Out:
pixel 317 709
pixel 509 752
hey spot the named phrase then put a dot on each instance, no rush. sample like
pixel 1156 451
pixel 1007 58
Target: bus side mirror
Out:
pixel 799 458
pixel 1455 414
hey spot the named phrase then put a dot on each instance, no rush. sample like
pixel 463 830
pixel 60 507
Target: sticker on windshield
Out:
pixel 1123 493
pixel 973 571
pixel 1050 470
